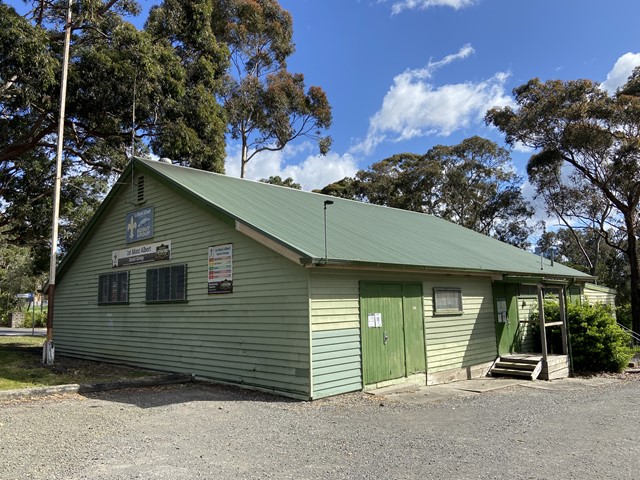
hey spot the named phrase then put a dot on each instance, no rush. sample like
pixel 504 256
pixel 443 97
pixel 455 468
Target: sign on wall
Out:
pixel 139 225
pixel 152 252
pixel 220 269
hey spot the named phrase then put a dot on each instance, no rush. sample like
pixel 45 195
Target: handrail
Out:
pixel 633 334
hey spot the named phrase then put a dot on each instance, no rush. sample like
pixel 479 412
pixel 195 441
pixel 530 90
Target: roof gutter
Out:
pixel 518 277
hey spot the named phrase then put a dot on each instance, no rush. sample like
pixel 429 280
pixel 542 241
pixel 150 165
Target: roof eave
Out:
pixel 322 262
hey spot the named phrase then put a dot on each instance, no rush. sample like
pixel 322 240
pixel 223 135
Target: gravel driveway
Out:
pixel 207 432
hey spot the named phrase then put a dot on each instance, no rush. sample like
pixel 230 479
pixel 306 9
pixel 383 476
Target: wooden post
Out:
pixel 543 329
pixel 563 318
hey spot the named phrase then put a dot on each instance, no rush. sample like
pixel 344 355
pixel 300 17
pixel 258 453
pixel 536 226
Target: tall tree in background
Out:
pixel 115 71
pixel 282 182
pixel 582 133
pixel 267 106
pixel 472 184
pixel 585 250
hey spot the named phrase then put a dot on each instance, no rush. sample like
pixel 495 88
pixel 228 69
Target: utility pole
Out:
pixel 48 351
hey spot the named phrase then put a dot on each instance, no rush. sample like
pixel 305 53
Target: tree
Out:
pixel 287 182
pixel 481 190
pixel 472 184
pixel 16 273
pixel 582 133
pixel 585 250
pixel 267 106
pixel 155 89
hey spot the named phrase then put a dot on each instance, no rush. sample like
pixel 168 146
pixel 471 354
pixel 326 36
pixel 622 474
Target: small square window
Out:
pixel 167 284
pixel 447 301
pixel 113 288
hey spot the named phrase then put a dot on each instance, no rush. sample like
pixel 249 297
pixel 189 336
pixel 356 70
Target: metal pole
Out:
pixel 48 352
pixel 326 202
pixel 33 315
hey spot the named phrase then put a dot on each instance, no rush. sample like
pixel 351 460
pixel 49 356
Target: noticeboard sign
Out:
pixel 139 225
pixel 220 268
pixel 151 252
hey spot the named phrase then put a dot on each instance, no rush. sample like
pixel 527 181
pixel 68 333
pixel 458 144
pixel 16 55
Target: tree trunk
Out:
pixel 634 267
pixel 243 157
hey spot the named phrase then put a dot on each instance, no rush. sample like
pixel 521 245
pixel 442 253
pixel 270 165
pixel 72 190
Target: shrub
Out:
pixel 40 319
pixel 623 315
pixel 597 342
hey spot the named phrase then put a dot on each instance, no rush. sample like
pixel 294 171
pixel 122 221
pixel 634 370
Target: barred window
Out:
pixel 447 301
pixel 167 284
pixel 113 288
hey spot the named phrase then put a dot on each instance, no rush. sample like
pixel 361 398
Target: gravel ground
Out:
pixel 210 432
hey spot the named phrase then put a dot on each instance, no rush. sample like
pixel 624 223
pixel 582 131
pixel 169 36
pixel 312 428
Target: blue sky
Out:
pixel 405 75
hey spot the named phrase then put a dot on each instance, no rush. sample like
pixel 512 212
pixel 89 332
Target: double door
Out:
pixel 392 328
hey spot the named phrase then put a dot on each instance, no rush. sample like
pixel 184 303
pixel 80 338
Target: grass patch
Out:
pixel 21 367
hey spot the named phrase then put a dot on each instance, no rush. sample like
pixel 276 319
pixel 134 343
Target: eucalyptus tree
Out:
pixel 472 184
pixel 129 91
pixel 267 106
pixel 582 134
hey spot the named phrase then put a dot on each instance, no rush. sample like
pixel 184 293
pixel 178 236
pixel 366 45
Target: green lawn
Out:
pixel 21 367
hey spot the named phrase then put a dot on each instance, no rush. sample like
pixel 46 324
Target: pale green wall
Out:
pixel 452 341
pixel 596 294
pixel 526 305
pixel 258 335
pixel 459 341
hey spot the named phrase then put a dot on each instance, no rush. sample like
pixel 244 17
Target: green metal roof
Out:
pixel 357 233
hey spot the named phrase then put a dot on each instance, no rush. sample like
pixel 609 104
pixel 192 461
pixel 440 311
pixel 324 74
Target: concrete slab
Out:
pixel 486 384
pixel 565 384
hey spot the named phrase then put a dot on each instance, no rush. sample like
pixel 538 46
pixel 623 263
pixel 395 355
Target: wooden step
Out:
pixel 530 367
pixel 530 360
pixel 516 366
pixel 509 372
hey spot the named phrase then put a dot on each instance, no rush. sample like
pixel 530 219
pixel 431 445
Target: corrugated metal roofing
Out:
pixel 358 233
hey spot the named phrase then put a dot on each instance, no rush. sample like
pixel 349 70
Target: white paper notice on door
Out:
pixel 371 320
pixel 378 320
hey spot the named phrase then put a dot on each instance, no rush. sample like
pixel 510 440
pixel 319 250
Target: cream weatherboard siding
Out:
pixel 453 342
pixel 258 335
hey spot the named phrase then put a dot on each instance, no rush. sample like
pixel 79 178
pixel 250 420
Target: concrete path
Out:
pixel 470 388
pixel 22 332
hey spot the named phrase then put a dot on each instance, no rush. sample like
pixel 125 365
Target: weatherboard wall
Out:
pixel 258 335
pixel 598 294
pixel 462 341
pixel 453 342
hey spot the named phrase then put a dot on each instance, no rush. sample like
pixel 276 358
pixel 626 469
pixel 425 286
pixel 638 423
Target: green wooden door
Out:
pixel 507 331
pixel 413 328
pixel 389 325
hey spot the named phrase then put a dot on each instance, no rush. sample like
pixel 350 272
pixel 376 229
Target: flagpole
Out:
pixel 48 352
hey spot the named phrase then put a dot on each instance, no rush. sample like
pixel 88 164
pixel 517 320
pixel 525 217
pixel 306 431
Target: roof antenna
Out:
pixel 326 202
pixel 541 264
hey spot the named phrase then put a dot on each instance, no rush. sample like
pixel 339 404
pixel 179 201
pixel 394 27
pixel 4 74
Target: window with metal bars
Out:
pixel 113 288
pixel 167 284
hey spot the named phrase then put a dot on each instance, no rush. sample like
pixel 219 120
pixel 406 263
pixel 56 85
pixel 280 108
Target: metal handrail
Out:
pixel 633 334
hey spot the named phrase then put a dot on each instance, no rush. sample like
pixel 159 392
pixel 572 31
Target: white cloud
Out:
pixel 399 6
pixel 621 71
pixel 316 171
pixel 414 107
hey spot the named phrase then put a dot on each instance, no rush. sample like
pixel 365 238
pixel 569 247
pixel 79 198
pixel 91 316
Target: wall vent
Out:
pixel 140 189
